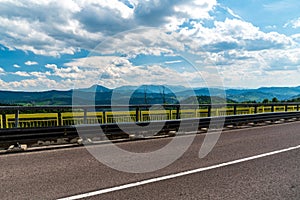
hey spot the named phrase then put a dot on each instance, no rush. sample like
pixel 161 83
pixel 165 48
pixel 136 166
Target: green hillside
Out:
pixel 147 94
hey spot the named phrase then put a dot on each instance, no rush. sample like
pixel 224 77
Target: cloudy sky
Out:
pixel 77 43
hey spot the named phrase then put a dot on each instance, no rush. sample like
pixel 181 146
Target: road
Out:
pixel 61 173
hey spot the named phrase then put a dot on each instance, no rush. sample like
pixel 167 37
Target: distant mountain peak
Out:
pixel 95 88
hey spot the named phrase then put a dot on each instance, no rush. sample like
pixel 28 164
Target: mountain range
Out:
pixel 145 94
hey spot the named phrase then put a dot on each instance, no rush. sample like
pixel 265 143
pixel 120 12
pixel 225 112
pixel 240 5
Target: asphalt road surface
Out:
pixel 253 163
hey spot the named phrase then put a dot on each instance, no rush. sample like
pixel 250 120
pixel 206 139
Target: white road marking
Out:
pixel 171 176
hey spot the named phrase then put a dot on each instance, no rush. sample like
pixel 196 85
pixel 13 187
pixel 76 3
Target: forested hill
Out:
pixel 146 94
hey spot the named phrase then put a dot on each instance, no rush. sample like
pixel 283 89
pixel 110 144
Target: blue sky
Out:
pixel 60 45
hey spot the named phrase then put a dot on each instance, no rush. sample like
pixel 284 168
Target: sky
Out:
pixel 60 45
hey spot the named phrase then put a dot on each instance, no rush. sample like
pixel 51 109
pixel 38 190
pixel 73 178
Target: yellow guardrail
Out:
pixel 121 116
pixel 245 111
pixel 184 114
pixel 32 120
pixel 155 115
pixel 291 108
pixel 76 118
pixel 73 118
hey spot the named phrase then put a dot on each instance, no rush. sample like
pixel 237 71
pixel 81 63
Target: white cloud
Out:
pixel 113 72
pixel 71 72
pixel 251 69
pixel 16 66
pixel 232 13
pixel 233 34
pixel 147 41
pixel 40 83
pixel 22 73
pixel 295 23
pixel 36 84
pixel 30 63
pixel 296 38
pixel 40 74
pixel 51 66
pixel 195 9
pixel 271 27
pixel 173 61
pixel 55 27
pixel 2 71
pixel 241 52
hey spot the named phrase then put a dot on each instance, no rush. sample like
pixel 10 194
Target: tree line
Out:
pixel 274 100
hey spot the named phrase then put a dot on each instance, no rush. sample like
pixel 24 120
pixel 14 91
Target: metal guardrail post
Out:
pixel 59 118
pixel 104 117
pixel 285 108
pixel 255 109
pixel 3 120
pixel 234 109
pixel 137 111
pixel 272 108
pixel 17 118
pixel 297 107
pixel 209 111
pixel 84 116
pixel 177 112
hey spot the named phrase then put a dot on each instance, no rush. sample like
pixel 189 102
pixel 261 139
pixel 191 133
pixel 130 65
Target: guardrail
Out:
pixel 59 116
pixel 113 131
